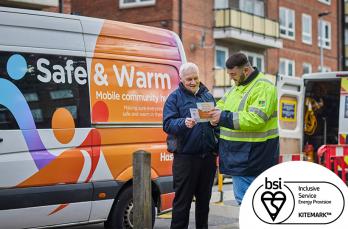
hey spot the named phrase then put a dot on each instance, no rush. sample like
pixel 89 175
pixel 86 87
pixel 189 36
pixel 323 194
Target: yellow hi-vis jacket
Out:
pixel 249 142
pixel 254 111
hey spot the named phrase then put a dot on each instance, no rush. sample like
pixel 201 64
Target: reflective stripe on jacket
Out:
pixel 249 112
pixel 249 127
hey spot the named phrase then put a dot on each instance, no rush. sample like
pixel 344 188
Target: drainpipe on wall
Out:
pixel 341 33
pixel 61 6
pixel 180 19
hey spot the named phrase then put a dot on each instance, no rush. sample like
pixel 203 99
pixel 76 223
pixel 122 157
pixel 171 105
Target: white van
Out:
pixel 78 96
pixel 329 125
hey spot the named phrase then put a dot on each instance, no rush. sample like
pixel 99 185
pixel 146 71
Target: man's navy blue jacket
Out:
pixel 199 140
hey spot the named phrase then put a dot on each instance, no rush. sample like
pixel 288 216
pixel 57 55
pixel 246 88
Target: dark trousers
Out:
pixel 193 176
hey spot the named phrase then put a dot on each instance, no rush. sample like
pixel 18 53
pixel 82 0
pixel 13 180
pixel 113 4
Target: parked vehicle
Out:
pixel 313 111
pixel 78 96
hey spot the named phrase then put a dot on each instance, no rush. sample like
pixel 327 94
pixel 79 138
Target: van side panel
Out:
pixel 46 155
pixel 46 147
pixel 125 87
pixel 29 30
pixel 343 117
pixel 290 115
pixel 132 72
pixel 77 97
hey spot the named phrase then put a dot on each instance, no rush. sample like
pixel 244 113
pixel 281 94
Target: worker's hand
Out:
pixel 190 122
pixel 215 116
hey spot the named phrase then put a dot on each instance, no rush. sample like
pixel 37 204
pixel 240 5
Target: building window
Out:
pixel 221 54
pixel 136 3
pixel 328 2
pixel 306 29
pixel 326 32
pixel 220 75
pixel 255 7
pixel 346 36
pixel 307 68
pixel 286 67
pixel 287 23
pixel 256 60
pixel 221 4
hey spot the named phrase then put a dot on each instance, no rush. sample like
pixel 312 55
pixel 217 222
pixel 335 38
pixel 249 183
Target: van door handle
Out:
pixel 1 139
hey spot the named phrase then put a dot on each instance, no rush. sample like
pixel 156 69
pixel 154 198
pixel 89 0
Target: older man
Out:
pixel 247 116
pixel 194 146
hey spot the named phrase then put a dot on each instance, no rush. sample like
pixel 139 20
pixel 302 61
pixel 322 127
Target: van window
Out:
pixel 48 82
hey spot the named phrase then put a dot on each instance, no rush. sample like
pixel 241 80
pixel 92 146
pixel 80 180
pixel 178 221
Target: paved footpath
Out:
pixel 222 215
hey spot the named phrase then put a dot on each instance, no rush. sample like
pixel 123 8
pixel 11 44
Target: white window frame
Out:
pixel 305 34
pixel 327 2
pixel 137 3
pixel 288 12
pixel 287 62
pixel 326 39
pixel 256 55
pixel 307 65
pixel 219 48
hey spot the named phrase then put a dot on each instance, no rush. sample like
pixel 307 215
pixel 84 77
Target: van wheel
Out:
pixel 121 215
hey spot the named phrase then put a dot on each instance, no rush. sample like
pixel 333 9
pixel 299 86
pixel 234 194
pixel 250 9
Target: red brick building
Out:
pixel 301 44
pixel 279 36
pixel 197 26
pixel 207 37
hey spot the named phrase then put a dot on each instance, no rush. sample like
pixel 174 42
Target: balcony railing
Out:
pixel 227 18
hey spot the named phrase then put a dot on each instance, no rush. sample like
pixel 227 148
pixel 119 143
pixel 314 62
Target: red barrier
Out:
pixel 290 157
pixel 332 157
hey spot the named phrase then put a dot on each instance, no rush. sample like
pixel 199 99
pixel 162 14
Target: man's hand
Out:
pixel 215 114
pixel 190 122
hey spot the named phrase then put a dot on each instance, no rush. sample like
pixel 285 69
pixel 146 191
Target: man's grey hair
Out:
pixel 188 68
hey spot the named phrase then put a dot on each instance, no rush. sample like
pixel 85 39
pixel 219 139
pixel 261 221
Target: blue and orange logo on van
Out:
pixel 41 98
